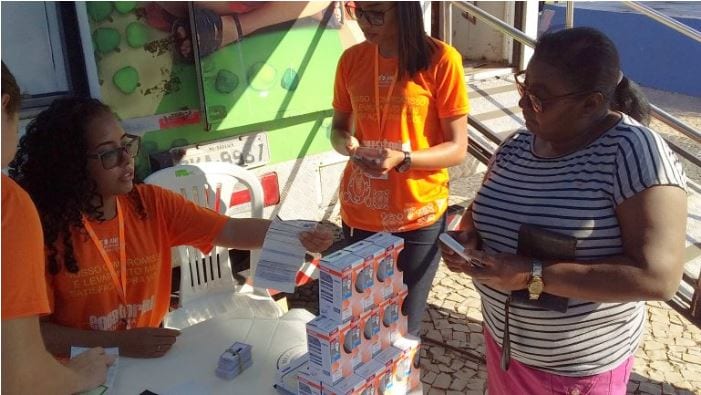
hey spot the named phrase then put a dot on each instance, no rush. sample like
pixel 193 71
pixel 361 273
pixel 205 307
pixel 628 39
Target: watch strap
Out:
pixel 537 268
pixel 405 164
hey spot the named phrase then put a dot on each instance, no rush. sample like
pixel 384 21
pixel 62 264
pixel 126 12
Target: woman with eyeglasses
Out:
pixel 400 111
pixel 594 183
pixel 108 239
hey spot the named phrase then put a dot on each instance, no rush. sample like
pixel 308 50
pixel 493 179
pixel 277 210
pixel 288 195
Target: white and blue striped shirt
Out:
pixel 576 195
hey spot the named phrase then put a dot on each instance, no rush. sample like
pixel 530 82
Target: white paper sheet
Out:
pixel 282 255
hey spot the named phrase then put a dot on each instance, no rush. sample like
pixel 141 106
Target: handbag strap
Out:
pixel 506 341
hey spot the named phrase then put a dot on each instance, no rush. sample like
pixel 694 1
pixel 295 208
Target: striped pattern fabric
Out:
pixel 576 195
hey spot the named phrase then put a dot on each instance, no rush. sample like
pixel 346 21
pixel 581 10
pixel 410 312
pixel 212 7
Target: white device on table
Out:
pixel 453 244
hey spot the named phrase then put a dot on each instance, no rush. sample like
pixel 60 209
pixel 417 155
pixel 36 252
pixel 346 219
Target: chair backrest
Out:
pixel 210 185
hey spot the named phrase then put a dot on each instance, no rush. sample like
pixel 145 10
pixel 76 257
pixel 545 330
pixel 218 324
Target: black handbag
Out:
pixel 538 243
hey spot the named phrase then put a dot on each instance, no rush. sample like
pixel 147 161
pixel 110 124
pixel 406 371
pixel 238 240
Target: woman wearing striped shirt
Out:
pixel 585 168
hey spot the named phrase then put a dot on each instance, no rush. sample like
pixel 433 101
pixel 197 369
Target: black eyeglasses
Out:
pixel 537 102
pixel 112 158
pixel 374 18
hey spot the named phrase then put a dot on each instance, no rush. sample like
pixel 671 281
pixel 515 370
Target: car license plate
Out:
pixel 246 151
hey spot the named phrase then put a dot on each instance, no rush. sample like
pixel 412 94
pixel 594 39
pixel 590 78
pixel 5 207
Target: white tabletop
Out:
pixel 188 368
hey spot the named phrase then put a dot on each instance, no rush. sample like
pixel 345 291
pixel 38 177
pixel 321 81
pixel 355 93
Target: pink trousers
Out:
pixel 523 380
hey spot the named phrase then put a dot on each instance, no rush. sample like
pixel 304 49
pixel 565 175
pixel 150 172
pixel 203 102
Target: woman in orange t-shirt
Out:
pixel 400 111
pixel 108 240
pixel 26 366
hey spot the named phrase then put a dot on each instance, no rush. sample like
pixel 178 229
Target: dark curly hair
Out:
pixel 51 165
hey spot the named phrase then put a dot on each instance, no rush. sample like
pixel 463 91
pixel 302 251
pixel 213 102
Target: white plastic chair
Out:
pixel 207 287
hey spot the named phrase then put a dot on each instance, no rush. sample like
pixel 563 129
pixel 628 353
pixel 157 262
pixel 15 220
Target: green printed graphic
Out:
pixel 106 40
pixel 277 78
pixel 126 79
pixel 285 73
pixel 137 34
pixel 226 82
pixel 99 10
pixel 124 7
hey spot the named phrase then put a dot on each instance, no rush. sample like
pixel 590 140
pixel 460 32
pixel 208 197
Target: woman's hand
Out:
pixel 91 366
pixel 351 143
pixel 380 162
pixel 317 240
pixel 469 239
pixel 146 342
pixel 505 272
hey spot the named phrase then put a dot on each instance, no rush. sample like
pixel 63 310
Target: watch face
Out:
pixel 405 164
pixel 535 286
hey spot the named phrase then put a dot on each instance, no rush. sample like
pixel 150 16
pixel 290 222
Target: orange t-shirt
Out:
pixel 23 286
pixel 417 198
pixel 89 298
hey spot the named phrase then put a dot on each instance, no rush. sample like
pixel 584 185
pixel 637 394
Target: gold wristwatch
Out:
pixel 535 283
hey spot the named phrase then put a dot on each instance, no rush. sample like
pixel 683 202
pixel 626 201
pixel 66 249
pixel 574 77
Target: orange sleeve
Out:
pixel 23 281
pixel 341 98
pixel 451 93
pixel 187 223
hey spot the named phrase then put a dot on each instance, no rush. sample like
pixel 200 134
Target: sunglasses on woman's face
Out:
pixel 112 158
pixel 374 18
pixel 535 101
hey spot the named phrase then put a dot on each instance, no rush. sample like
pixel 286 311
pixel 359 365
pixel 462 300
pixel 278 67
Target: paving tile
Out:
pixel 443 359
pixel 457 343
pixel 441 324
pixel 431 367
pixel 434 335
pixel 657 355
pixel 650 388
pixel 429 377
pixel 460 336
pixel 476 384
pixel 661 365
pixel 458 384
pixel 457 364
pixel 692 358
pixel 436 351
pixel 653 345
pixel 668 389
pixel 683 341
pixel 442 381
pixel 656 375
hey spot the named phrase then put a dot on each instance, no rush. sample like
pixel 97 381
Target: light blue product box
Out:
pixel 339 299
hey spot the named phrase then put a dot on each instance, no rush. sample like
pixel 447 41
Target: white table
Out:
pixel 188 368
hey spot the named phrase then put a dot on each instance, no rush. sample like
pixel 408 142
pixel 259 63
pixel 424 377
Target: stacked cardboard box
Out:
pixel 359 342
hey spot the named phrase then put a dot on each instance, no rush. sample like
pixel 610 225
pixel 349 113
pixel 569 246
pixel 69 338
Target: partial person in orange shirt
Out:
pixel 400 111
pixel 26 365
pixel 108 239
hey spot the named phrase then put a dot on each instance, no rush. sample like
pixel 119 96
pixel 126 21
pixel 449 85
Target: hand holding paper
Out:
pixel 284 250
